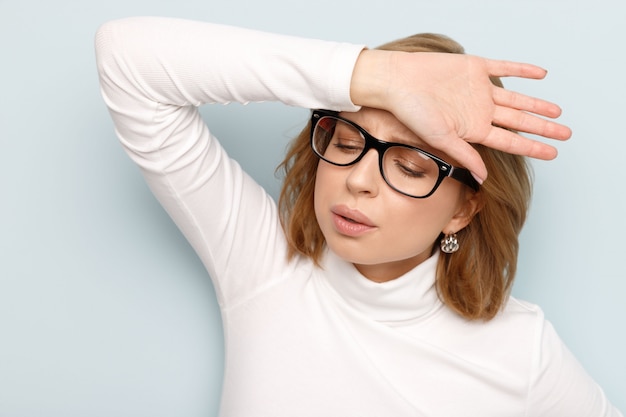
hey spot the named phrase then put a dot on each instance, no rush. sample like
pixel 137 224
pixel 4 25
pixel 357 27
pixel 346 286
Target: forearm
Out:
pixel 180 62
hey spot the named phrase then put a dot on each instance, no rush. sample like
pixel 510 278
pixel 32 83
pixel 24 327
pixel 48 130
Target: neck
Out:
pixel 388 271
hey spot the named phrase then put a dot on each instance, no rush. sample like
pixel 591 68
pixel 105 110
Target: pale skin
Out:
pixel 448 101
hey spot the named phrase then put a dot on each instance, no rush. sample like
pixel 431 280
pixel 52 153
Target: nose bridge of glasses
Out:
pixel 369 159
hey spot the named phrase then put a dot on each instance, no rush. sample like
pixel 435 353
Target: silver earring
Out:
pixel 450 244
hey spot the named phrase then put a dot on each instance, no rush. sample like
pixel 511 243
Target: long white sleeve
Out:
pixel 153 74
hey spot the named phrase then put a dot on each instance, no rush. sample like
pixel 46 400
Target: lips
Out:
pixel 351 222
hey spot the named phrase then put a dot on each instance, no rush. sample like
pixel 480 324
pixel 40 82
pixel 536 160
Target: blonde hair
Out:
pixel 476 280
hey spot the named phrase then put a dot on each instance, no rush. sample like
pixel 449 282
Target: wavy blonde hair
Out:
pixel 476 280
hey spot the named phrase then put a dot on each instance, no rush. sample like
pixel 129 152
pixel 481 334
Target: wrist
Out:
pixel 370 78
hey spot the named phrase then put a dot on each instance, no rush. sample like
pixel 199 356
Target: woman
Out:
pixel 350 308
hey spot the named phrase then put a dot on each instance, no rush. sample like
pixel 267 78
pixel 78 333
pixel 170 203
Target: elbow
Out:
pixel 107 45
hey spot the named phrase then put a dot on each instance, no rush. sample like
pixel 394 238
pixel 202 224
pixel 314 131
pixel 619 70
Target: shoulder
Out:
pixel 520 310
pixel 511 340
pixel 519 320
pixel 513 336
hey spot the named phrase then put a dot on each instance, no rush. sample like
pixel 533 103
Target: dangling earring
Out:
pixel 450 244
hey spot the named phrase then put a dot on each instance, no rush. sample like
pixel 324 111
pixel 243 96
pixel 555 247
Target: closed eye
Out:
pixel 409 171
pixel 348 145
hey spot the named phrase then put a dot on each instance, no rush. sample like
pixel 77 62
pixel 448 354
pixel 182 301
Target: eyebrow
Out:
pixel 403 138
pixel 414 140
pixel 418 142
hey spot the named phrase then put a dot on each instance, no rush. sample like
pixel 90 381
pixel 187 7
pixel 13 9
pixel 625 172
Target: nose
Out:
pixel 364 177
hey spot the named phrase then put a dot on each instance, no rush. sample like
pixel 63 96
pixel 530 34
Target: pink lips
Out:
pixel 351 222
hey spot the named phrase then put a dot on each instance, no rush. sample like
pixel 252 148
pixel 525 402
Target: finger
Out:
pixel 501 68
pixel 466 156
pixel 513 143
pixel 529 123
pixel 519 101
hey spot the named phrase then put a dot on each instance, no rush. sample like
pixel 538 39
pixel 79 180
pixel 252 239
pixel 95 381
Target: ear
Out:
pixel 470 204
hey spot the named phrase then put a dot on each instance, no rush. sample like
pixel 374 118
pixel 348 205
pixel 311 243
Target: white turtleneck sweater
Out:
pixel 303 340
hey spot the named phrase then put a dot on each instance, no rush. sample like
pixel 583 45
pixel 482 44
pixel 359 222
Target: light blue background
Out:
pixel 104 308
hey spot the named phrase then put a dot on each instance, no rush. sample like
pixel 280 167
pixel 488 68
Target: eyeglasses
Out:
pixel 408 170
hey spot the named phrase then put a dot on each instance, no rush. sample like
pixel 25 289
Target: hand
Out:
pixel 448 100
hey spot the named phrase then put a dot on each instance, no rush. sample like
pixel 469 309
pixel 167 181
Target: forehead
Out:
pixel 385 126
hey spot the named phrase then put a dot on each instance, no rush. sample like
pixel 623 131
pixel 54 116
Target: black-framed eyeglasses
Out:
pixel 408 170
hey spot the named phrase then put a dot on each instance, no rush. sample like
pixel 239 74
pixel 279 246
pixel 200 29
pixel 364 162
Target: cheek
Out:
pixel 420 223
pixel 327 179
pixel 424 218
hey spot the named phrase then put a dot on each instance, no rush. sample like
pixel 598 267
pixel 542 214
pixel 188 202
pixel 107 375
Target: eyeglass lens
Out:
pixel 405 169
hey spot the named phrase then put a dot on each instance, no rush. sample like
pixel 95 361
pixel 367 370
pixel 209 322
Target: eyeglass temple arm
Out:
pixel 464 176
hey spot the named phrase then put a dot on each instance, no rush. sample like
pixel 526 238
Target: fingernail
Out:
pixel 478 179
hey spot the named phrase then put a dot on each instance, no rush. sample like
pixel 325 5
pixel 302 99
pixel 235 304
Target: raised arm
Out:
pixel 154 72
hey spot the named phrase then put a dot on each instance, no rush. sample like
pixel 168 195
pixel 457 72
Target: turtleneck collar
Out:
pixel 408 297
